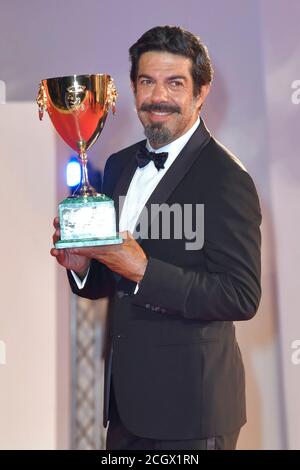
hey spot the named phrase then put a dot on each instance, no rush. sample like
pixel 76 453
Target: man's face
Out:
pixel 164 96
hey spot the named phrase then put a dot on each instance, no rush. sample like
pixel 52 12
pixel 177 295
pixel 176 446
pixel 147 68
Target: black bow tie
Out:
pixel 144 156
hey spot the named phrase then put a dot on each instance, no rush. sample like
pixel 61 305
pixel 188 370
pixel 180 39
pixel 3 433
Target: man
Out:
pixel 174 374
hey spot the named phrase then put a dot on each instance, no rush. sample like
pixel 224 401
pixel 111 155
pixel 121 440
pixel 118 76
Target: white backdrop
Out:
pixel 28 380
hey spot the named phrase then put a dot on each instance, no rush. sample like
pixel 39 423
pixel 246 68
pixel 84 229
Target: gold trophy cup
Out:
pixel 78 107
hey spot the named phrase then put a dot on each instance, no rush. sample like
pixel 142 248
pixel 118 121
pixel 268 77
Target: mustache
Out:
pixel 161 108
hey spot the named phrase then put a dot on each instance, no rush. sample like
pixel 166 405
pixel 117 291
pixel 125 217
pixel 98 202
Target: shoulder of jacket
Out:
pixel 222 157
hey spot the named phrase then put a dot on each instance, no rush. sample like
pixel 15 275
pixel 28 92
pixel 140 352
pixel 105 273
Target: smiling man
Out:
pixel 165 101
pixel 174 377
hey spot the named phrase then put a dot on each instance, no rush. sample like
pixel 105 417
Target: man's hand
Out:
pixel 127 259
pixel 74 262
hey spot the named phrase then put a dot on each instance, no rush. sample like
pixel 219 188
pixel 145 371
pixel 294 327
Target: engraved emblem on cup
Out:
pixel 74 96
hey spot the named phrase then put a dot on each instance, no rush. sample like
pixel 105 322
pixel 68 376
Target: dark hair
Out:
pixel 175 40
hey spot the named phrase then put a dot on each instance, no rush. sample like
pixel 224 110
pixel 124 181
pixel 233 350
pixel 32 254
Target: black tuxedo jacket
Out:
pixel 171 350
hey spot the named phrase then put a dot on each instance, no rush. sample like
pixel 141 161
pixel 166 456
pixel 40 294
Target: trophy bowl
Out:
pixel 78 107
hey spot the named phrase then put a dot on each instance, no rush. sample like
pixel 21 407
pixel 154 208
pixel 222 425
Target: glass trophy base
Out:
pixel 61 244
pixel 87 221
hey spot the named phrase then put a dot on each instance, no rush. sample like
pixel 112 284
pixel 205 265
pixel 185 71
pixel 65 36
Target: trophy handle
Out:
pixel 41 100
pixel 112 95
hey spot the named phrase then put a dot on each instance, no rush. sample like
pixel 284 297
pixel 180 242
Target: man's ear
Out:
pixel 205 89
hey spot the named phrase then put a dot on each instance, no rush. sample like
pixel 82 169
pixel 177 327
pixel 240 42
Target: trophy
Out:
pixel 78 107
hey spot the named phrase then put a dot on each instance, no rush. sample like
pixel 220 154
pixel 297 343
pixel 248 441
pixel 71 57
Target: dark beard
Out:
pixel 158 134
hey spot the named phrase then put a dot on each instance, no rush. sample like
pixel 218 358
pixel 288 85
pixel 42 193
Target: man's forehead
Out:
pixel 159 61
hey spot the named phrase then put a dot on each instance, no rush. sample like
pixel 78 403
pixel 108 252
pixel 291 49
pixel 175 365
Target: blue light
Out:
pixel 73 173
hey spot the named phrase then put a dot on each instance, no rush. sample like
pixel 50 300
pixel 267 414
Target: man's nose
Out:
pixel 159 93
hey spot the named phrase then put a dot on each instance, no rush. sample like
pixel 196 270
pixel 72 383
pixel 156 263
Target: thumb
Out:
pixel 126 235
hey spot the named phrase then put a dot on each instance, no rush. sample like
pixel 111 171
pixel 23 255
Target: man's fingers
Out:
pixel 54 252
pixel 56 236
pixel 60 255
pixel 56 223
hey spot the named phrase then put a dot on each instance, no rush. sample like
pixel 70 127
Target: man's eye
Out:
pixel 146 81
pixel 175 84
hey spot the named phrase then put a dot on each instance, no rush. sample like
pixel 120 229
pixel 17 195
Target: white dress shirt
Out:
pixel 143 183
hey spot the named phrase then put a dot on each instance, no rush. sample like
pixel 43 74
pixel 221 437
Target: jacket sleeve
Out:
pixel 228 288
pixel 100 282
